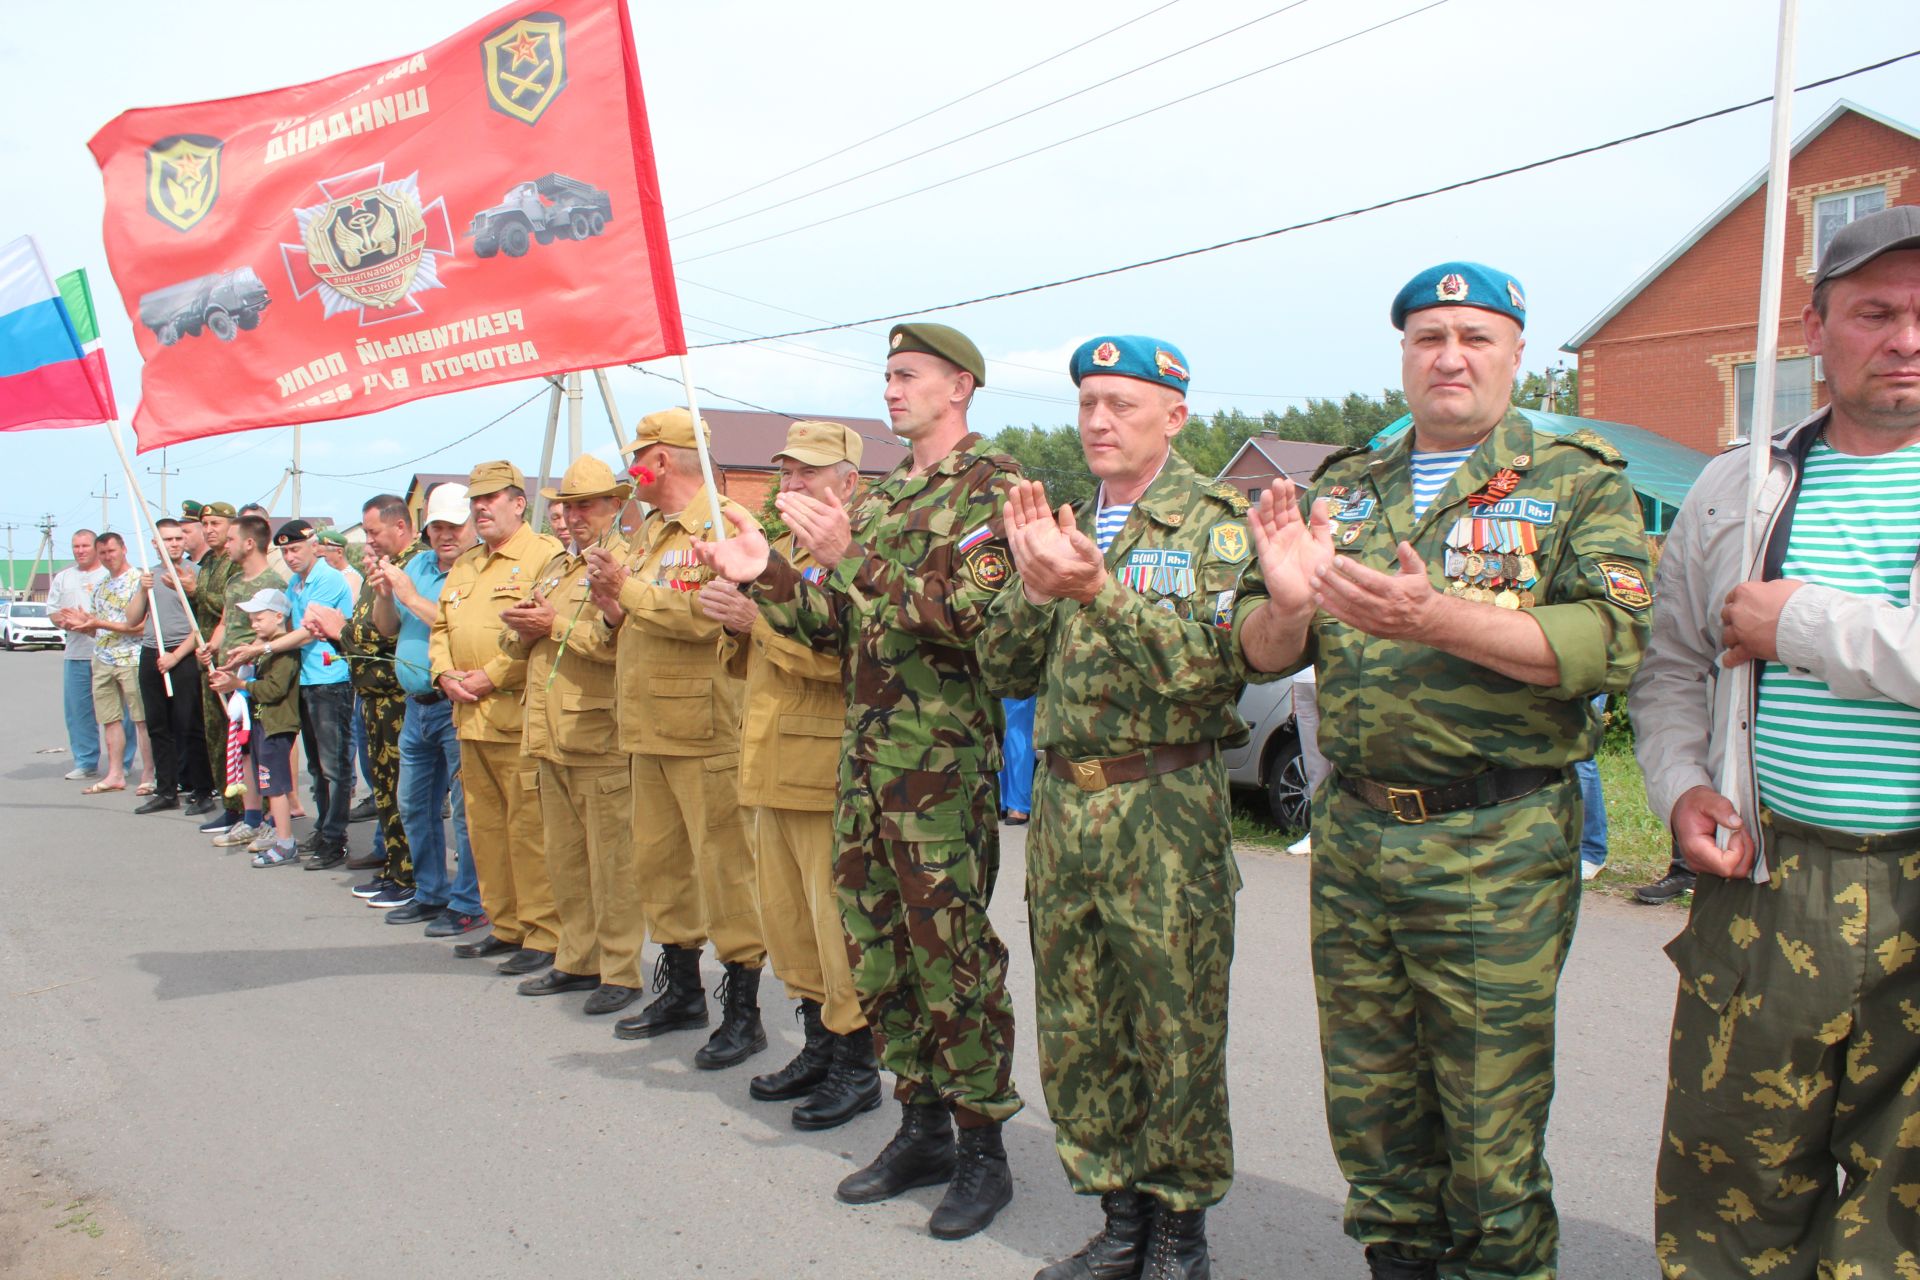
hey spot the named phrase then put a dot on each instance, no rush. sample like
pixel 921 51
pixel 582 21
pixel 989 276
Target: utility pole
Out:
pixel 13 591
pixel 163 473
pixel 105 498
pixel 46 546
pixel 295 472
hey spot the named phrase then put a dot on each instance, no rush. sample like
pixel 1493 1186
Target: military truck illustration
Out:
pixel 555 205
pixel 221 304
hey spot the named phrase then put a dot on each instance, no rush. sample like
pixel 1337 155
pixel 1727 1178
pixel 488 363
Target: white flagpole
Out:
pixel 706 457
pixel 142 530
pixel 1766 359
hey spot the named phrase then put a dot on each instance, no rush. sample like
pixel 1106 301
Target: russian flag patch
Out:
pixel 975 538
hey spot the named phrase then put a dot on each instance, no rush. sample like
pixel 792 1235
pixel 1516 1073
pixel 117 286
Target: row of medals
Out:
pixel 1502 579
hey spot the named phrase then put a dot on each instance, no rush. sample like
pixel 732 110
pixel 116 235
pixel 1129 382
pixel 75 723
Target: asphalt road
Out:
pixel 262 1078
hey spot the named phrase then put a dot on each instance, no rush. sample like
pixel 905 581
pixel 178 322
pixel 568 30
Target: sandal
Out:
pixel 277 856
pixel 1015 818
pixel 101 788
pixel 145 789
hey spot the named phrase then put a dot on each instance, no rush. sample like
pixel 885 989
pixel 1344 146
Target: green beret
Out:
pixel 1131 356
pixel 1461 284
pixel 222 509
pixel 940 340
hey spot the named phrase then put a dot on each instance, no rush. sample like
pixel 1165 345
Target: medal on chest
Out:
pixel 1157 570
pixel 1492 561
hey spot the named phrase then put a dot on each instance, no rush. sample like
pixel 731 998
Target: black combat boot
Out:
pixel 851 1087
pixel 682 1004
pixel 920 1155
pixel 1382 1265
pixel 1177 1246
pixel 739 1035
pixel 809 1067
pixel 1119 1251
pixel 982 1185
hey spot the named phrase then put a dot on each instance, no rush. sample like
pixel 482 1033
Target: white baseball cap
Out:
pixel 447 504
pixel 267 599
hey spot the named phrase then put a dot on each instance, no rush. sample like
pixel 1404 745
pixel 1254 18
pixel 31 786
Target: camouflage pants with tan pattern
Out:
pixel 1792 1139
pixel 1437 949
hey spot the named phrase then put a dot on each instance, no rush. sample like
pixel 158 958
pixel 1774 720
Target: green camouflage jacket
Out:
pixel 1154 658
pixel 902 610
pixel 1399 711
pixel 368 647
pixel 210 590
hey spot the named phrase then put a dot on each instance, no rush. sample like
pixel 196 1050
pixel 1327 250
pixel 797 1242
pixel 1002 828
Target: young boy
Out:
pixel 273 696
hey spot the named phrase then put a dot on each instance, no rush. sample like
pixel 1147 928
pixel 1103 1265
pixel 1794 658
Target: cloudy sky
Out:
pixel 1324 114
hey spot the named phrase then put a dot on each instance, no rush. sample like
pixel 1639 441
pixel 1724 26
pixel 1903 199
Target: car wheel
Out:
pixel 515 239
pixel 221 325
pixel 485 246
pixel 596 222
pixel 1287 799
pixel 247 319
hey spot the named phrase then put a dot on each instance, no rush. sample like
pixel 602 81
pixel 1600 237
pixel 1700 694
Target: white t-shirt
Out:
pixel 72 588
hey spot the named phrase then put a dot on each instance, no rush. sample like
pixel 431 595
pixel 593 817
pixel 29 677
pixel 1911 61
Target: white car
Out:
pixel 23 625
pixel 1270 761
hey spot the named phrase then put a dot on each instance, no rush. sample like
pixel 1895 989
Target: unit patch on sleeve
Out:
pixel 1626 585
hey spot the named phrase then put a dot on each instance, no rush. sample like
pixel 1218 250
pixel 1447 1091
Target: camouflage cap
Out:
pixel 588 477
pixel 949 344
pixel 492 477
pixel 821 444
pixel 672 427
pixel 222 509
pixel 190 512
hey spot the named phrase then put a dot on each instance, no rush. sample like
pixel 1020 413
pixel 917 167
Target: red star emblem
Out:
pixel 186 167
pixel 525 49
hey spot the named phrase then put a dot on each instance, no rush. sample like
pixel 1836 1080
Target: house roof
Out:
pixel 1713 219
pixel 1656 465
pixel 1286 457
pixel 746 439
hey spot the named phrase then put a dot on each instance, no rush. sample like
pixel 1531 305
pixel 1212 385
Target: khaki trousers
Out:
pixel 503 826
pixel 586 811
pixel 691 854
pixel 800 912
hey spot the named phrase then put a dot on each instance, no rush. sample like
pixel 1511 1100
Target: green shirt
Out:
pixel 1396 711
pixel 239 625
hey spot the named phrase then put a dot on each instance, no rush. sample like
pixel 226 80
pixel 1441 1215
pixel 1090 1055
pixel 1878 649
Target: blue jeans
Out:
pixel 429 770
pixel 83 735
pixel 326 727
pixel 1593 833
pixel 1016 770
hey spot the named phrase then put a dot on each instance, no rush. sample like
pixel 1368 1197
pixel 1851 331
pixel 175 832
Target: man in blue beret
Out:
pixel 1125 622
pixel 1463 593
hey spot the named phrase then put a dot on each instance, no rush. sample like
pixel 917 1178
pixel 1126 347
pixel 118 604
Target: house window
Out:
pixel 1830 213
pixel 1792 395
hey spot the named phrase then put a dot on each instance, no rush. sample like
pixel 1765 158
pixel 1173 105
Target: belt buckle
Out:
pixel 1089 775
pixel 1395 795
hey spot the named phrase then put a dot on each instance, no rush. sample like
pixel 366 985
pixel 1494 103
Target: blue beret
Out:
pixel 1131 356
pixel 1461 284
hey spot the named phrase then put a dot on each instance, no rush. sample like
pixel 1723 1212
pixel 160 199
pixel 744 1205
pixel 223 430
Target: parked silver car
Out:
pixel 1270 762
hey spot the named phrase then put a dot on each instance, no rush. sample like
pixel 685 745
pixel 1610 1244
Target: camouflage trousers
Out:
pixel 1130 900
pixel 918 855
pixel 213 714
pixel 1792 1134
pixel 1437 949
pixel 384 717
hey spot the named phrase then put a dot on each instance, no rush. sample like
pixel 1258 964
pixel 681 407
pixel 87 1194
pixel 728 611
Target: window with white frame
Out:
pixel 1792 395
pixel 1830 213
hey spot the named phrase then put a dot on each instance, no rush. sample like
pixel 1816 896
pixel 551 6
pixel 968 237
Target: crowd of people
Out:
pixel 786 748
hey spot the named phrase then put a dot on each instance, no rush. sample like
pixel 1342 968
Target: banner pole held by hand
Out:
pixel 706 458
pixel 140 535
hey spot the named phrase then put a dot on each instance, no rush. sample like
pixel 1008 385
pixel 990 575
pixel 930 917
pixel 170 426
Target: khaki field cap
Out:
pixel 588 477
pixel 673 427
pixel 492 477
pixel 447 504
pixel 821 444
pixel 940 340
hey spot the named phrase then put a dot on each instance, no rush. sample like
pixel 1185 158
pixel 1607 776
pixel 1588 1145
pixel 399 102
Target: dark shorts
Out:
pixel 273 757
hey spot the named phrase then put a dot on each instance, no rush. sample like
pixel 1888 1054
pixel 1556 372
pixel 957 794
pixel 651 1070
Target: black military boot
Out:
pixel 982 1185
pixel 920 1155
pixel 682 1005
pixel 1177 1246
pixel 1382 1265
pixel 739 1035
pixel 1119 1251
pixel 809 1067
pixel 851 1087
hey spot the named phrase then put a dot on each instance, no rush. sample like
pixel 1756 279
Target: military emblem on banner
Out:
pixel 526 65
pixel 183 179
pixel 369 245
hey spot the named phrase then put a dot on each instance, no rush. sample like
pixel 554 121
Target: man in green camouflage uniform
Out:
pixel 1462 626
pixel 902 590
pixel 1123 623
pixel 209 591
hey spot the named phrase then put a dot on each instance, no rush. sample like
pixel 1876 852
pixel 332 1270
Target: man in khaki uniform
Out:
pixel 796 707
pixel 680 719
pixel 484 684
pixel 585 778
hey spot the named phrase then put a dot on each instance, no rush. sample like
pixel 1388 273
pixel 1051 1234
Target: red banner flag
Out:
pixel 483 211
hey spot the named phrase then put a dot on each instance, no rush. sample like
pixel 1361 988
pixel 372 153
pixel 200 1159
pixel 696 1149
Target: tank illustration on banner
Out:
pixel 222 304
pixel 542 209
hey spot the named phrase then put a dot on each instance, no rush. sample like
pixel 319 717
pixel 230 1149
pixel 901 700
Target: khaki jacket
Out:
pixel 795 711
pixel 676 697
pixel 570 686
pixel 466 636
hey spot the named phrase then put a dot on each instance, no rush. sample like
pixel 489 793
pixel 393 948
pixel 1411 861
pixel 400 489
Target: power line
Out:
pixel 853 146
pixel 379 471
pixel 1314 222
pixel 1086 133
pixel 989 128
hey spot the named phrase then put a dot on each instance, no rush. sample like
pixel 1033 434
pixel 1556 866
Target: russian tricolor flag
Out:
pixel 52 372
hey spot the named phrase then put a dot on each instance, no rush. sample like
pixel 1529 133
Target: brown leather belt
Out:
pixel 1417 804
pixel 1100 773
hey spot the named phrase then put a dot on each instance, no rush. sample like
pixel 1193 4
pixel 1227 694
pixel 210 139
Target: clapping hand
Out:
pixel 1293 550
pixel 1055 559
pixel 819 526
pixel 721 600
pixel 324 622
pixel 741 558
pixel 531 619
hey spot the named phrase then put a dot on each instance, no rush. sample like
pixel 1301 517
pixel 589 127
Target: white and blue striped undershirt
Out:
pixel 1431 471
pixel 1107 523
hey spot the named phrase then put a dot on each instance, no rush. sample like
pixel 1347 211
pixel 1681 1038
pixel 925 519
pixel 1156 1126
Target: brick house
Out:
pixel 1674 353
